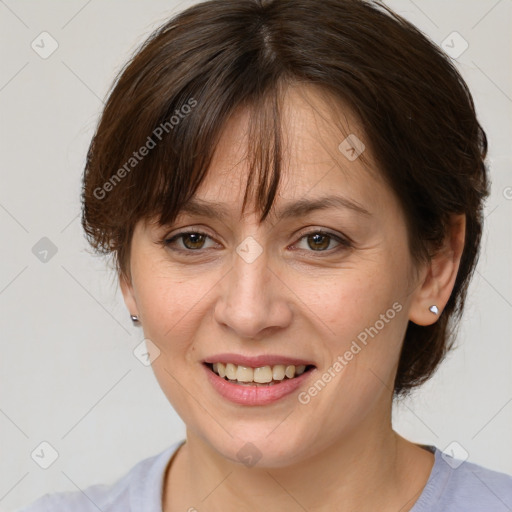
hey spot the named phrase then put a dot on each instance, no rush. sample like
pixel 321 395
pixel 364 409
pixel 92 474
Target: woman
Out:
pixel 292 192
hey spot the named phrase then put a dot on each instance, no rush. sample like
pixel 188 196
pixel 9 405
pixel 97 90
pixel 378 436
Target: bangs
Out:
pixel 172 118
pixel 186 154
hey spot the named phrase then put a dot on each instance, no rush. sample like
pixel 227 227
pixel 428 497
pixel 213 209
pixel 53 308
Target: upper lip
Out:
pixel 256 361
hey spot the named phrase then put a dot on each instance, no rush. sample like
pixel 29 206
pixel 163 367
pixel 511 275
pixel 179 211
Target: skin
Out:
pixel 301 298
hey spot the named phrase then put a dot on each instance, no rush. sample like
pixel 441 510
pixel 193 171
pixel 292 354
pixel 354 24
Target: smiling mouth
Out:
pixel 261 376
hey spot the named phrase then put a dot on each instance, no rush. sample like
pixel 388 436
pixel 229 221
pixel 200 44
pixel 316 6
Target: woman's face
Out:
pixel 339 301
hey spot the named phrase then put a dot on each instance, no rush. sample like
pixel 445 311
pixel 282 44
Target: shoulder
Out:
pixel 480 487
pixel 456 485
pixel 140 486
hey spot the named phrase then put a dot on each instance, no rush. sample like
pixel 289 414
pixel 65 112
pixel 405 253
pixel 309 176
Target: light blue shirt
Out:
pixel 453 486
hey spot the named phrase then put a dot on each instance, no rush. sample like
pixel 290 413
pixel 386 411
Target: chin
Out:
pixel 252 446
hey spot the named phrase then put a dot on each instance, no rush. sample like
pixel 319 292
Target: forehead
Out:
pixel 320 142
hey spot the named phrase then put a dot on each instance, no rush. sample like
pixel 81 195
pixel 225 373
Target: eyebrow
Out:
pixel 297 208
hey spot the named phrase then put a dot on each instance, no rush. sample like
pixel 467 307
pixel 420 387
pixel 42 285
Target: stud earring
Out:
pixel 135 319
pixel 434 309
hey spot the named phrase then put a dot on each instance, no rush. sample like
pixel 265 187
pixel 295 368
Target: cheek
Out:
pixel 361 316
pixel 172 307
pixel 347 304
pixel 366 319
pixel 169 305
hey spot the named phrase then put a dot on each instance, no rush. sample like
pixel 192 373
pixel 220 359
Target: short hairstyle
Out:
pixel 168 105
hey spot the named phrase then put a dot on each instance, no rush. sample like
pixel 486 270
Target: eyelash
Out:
pixel 344 242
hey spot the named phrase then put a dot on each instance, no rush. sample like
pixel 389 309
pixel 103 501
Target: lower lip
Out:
pixel 254 395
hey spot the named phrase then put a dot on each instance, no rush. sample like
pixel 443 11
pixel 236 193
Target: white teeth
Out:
pixel 290 371
pixel 260 375
pixel 244 374
pixel 231 371
pixel 263 374
pixel 278 372
pixel 221 369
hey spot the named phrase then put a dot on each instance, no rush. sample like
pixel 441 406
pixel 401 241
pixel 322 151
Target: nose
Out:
pixel 253 301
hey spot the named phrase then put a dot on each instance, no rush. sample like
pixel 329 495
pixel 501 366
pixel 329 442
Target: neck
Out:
pixel 368 469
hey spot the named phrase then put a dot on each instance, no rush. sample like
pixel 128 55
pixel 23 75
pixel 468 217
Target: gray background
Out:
pixel 68 374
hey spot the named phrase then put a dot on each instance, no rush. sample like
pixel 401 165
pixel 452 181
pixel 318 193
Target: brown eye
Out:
pixel 320 241
pixel 193 240
pixel 190 240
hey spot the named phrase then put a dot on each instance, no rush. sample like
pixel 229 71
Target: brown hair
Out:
pixel 166 110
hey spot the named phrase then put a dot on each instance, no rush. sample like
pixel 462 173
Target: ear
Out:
pixel 438 276
pixel 128 294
